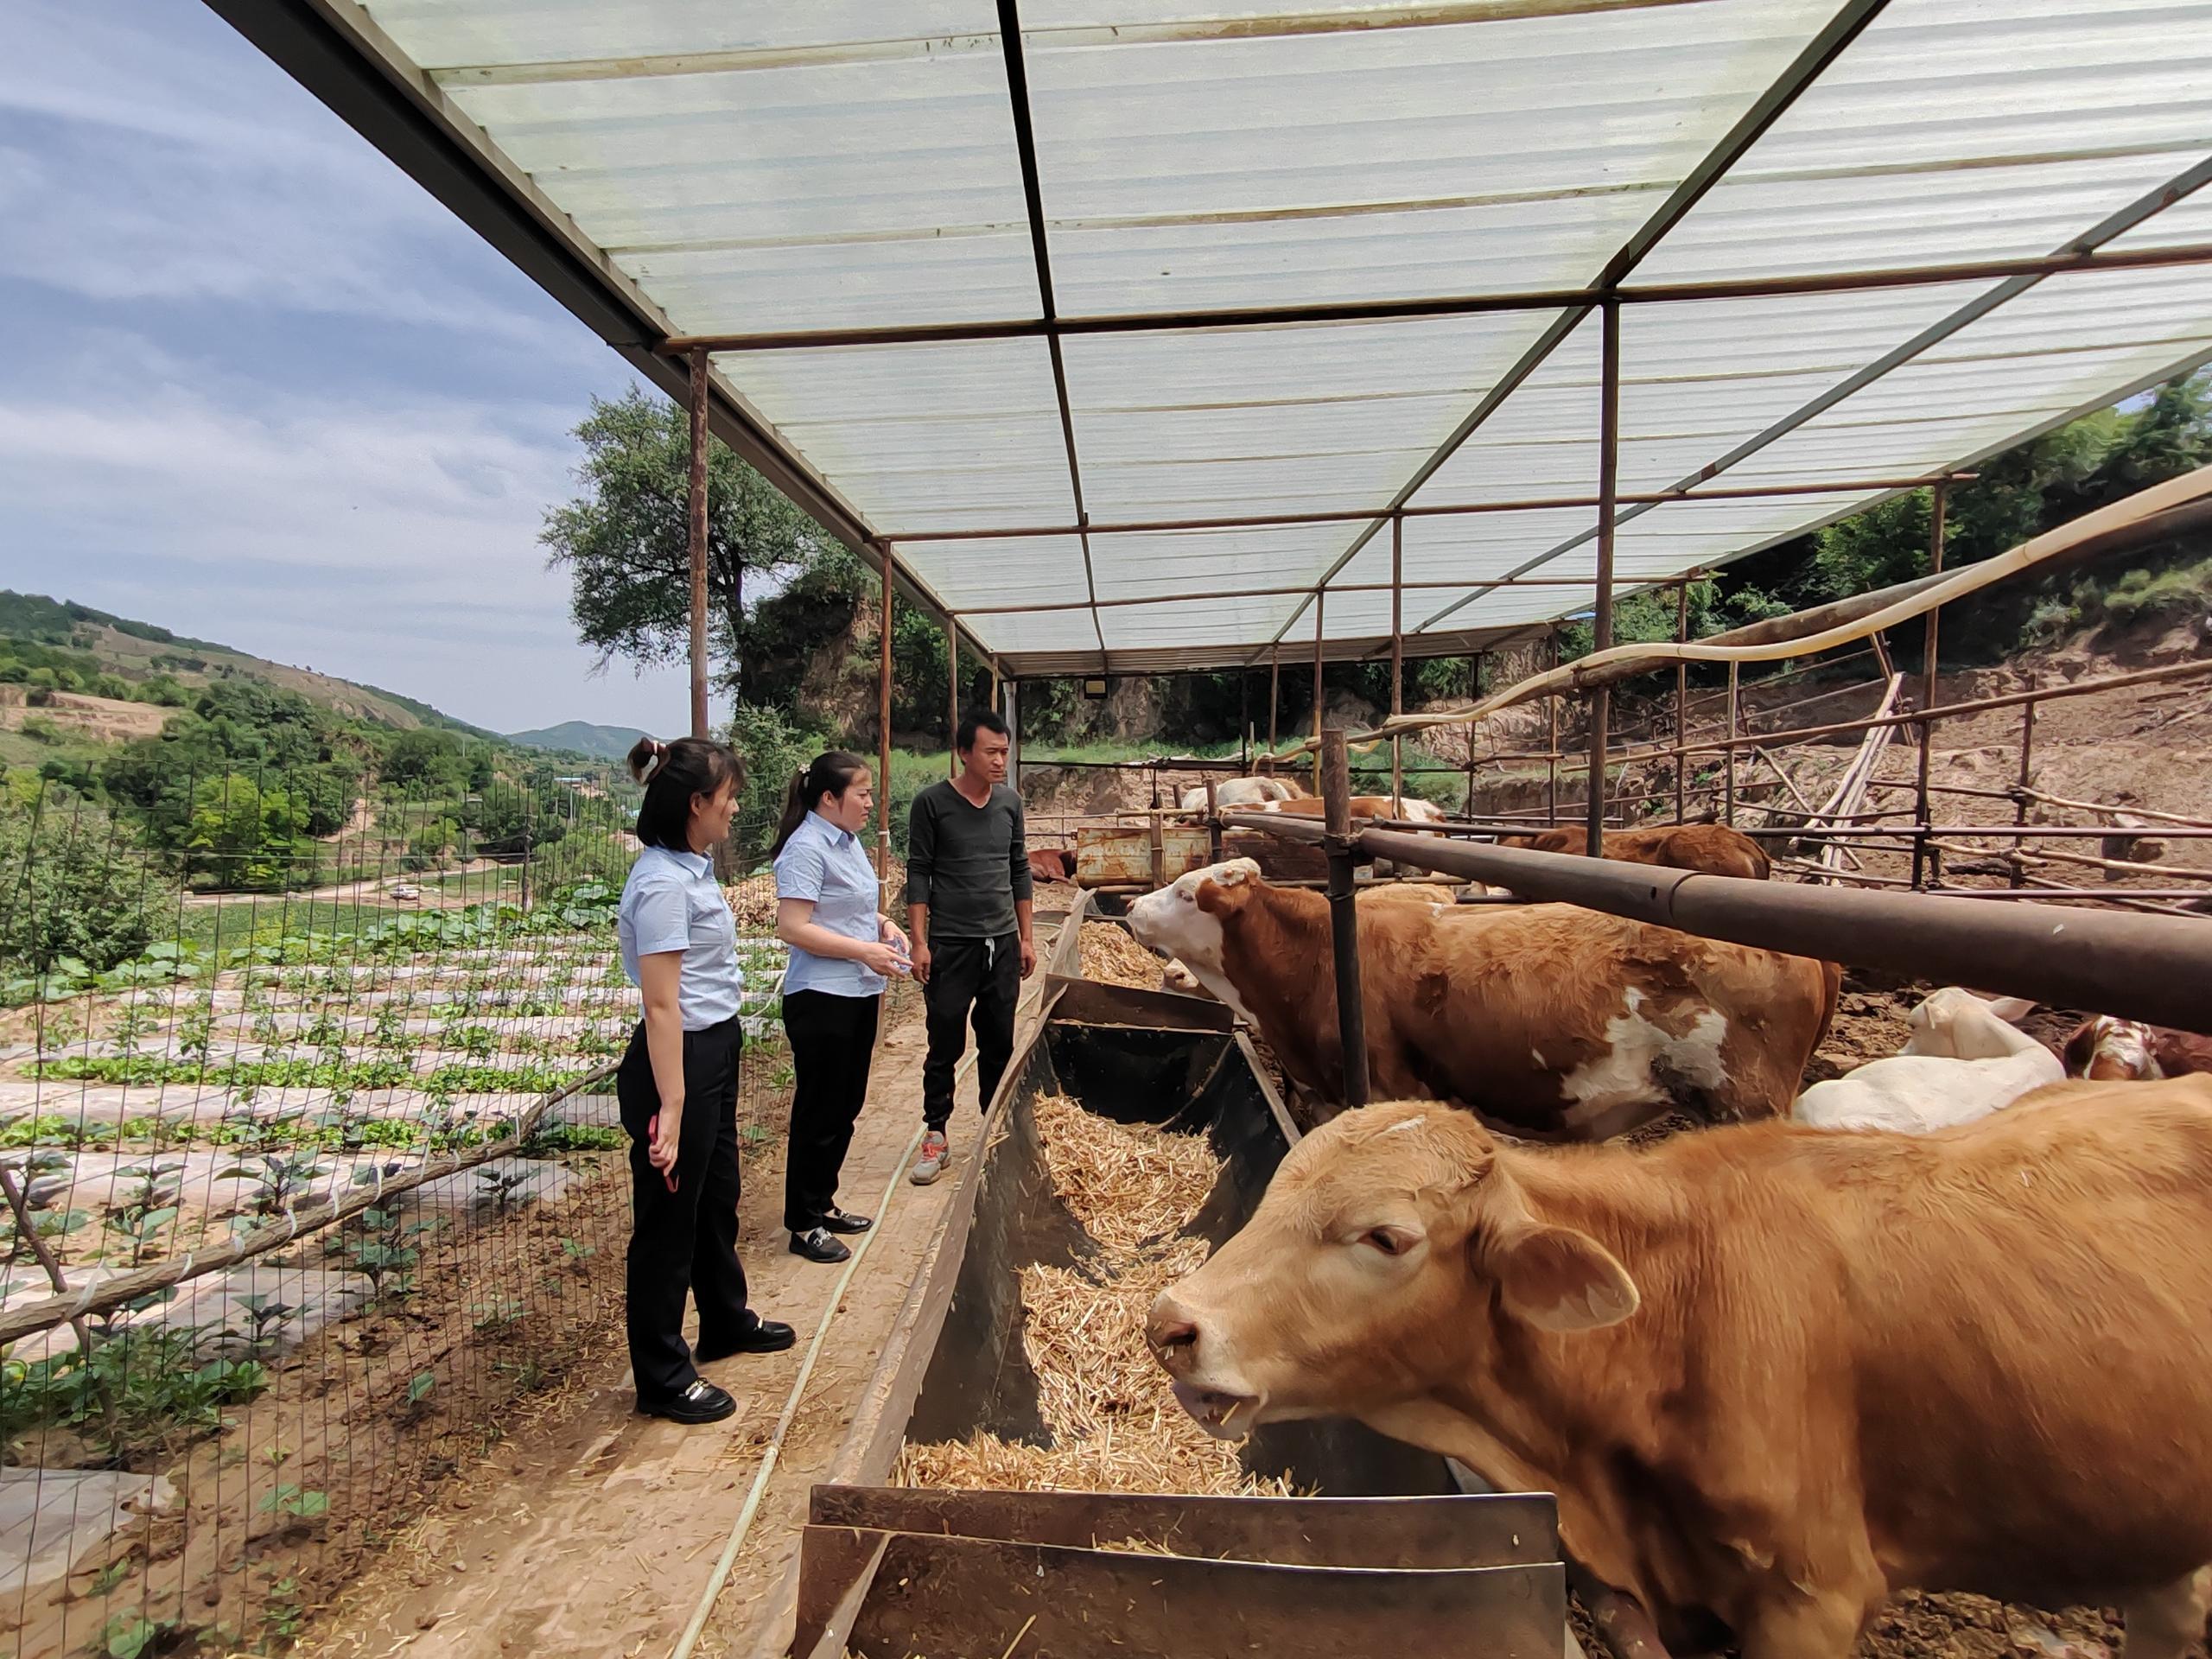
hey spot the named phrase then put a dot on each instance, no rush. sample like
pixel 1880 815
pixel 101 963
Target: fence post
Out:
pixel 883 742
pixel 2018 874
pixel 1729 785
pixel 1681 691
pixel 1601 619
pixel 1922 811
pixel 696 527
pixel 1344 912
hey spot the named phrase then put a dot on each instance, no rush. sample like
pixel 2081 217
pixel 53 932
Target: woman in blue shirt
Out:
pixel 677 1086
pixel 843 948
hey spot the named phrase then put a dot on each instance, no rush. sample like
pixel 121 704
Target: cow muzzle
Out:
pixel 1225 1413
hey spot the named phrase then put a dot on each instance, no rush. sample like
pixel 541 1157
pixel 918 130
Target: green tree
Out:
pixel 245 837
pixel 423 757
pixel 72 884
pixel 625 542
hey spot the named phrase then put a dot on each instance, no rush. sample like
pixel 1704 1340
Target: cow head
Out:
pixel 1184 919
pixel 1389 1241
pixel 1957 1024
pixel 2109 1050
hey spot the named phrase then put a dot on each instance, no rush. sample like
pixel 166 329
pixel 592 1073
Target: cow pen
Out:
pixel 1151 340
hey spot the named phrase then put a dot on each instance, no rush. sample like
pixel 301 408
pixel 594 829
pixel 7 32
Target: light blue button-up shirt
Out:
pixel 672 902
pixel 827 865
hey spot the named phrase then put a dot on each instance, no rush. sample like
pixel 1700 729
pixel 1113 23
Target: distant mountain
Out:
pixel 63 635
pixel 579 737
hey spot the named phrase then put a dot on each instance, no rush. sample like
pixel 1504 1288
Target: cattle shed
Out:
pixel 1131 337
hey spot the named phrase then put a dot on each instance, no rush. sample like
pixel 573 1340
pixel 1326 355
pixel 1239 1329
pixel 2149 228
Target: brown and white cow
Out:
pixel 1410 808
pixel 1240 792
pixel 2110 1050
pixel 1774 1374
pixel 1714 849
pixel 1052 863
pixel 1551 1020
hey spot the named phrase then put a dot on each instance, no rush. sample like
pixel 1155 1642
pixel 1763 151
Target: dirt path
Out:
pixel 596 1531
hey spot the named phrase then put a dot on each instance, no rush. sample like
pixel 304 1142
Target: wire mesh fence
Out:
pixel 311 1173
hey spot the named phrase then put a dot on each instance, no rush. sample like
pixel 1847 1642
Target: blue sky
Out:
pixel 256 386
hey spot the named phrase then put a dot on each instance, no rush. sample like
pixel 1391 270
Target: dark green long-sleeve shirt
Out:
pixel 969 864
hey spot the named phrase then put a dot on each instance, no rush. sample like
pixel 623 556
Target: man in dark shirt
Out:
pixel 968 901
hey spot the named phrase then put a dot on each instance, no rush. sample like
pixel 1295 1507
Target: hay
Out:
pixel 1128 1184
pixel 1109 955
pixel 1114 1422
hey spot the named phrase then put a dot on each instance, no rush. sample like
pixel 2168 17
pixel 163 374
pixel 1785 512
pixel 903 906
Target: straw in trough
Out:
pixel 1114 1422
pixel 1126 1183
pixel 1111 955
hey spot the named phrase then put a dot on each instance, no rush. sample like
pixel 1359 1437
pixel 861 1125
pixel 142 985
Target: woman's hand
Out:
pixel 885 959
pixel 891 933
pixel 668 1131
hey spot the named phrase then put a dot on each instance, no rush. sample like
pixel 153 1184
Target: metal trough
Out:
pixel 1388 1558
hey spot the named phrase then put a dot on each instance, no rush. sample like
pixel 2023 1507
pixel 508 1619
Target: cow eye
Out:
pixel 1389 1243
pixel 1184 897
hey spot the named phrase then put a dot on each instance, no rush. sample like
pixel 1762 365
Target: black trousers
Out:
pixel 981 975
pixel 683 1243
pixel 833 1039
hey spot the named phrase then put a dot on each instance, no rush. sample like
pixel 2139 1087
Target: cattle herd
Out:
pixel 1944 1322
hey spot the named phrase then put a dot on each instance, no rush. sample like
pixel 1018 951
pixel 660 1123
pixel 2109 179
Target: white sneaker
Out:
pixel 936 1158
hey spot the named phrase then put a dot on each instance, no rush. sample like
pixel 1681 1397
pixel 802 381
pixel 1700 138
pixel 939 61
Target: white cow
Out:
pixel 1240 792
pixel 1962 1061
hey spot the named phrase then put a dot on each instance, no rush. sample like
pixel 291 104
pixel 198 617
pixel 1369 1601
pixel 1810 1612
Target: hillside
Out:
pixel 579 737
pixel 139 661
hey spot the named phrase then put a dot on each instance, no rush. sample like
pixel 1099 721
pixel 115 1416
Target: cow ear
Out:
pixel 1557 1279
pixel 1238 870
pixel 2011 1010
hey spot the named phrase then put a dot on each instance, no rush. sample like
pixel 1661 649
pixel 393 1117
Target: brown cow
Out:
pixel 2110 1050
pixel 1408 807
pixel 1774 1374
pixel 1714 849
pixel 1550 1019
pixel 1052 863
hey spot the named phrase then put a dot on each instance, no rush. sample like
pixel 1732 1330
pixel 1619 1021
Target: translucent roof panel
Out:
pixel 1950 131
pixel 999 572
pixel 718 169
pixel 1542 440
pixel 1190 562
pixel 1219 422
pixel 962 436
pixel 1202 156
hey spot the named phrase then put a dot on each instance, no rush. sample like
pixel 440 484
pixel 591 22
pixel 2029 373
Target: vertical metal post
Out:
pixel 1397 652
pixel 1010 711
pixel 1344 913
pixel 1601 621
pixel 1681 691
pixel 696 525
pixel 1244 720
pixel 883 742
pixel 951 698
pixel 1213 824
pixel 1274 692
pixel 1922 811
pixel 1551 748
pixel 1320 629
pixel 2018 875
pixel 1728 814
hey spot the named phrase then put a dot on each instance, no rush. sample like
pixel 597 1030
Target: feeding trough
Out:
pixel 1362 1543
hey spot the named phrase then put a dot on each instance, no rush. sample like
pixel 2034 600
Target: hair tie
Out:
pixel 658 759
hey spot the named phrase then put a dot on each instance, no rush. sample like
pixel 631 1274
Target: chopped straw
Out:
pixel 1110 955
pixel 1115 1424
pixel 1128 1184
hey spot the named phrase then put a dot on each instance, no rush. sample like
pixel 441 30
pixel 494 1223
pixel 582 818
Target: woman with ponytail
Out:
pixel 677 1086
pixel 843 950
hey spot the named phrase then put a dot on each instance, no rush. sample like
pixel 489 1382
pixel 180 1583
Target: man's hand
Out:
pixel 921 962
pixel 1028 955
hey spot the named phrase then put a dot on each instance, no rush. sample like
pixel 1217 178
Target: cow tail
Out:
pixel 1832 984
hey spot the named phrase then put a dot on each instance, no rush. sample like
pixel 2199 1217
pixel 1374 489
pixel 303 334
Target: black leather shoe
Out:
pixel 844 1221
pixel 769 1337
pixel 703 1402
pixel 816 1244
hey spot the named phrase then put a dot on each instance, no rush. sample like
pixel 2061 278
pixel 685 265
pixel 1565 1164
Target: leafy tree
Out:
pixel 246 836
pixel 71 885
pixel 626 539
pixel 424 756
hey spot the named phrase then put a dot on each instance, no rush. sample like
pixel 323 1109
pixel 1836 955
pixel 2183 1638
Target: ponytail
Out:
pixel 831 772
